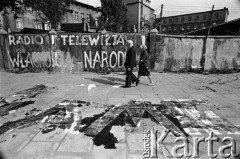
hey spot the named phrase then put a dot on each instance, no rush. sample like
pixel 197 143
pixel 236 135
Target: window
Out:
pixel 38 26
pixel 189 18
pixel 188 27
pixel 204 17
pixel 203 25
pixel 19 24
pixel 183 19
pixel 195 26
pixel 182 28
pixel 82 17
pixel 196 17
pixel 76 15
pixel 170 20
pixel 164 22
pixel 88 18
pixel 169 28
pixel 175 28
pixel 216 15
pixel 176 20
pixel 47 26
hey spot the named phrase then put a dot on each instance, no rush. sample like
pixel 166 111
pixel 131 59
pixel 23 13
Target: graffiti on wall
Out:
pixel 92 51
pixel 28 51
pixel 97 50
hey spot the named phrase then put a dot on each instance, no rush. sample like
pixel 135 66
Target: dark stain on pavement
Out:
pixel 1 155
pixel 32 92
pixel 15 101
pixel 55 117
pixel 4 110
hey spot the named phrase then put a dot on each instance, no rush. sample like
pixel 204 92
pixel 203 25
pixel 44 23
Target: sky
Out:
pixel 95 3
pixel 177 7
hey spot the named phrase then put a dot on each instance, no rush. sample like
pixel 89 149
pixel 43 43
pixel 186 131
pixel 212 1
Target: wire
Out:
pixel 198 7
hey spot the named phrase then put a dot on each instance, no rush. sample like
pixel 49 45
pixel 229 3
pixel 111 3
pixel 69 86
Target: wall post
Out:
pixel 152 47
pixel 52 37
pixel 3 34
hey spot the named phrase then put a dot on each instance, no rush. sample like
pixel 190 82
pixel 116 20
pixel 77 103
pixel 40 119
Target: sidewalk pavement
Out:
pixel 215 100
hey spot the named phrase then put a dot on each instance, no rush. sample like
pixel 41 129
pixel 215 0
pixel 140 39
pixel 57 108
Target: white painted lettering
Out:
pixel 11 40
pixel 64 39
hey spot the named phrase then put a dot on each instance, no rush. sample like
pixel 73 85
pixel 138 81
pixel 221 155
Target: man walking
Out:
pixel 130 63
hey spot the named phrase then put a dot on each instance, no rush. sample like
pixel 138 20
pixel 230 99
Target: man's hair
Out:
pixel 130 42
pixel 143 46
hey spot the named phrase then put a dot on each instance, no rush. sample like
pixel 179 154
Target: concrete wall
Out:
pixel 67 52
pixel 97 52
pixel 175 53
pixel 223 54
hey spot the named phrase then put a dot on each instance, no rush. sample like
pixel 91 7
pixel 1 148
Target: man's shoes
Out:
pixel 125 86
pixel 151 84
pixel 137 82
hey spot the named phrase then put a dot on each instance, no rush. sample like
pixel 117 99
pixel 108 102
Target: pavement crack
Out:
pixel 229 81
pixel 213 90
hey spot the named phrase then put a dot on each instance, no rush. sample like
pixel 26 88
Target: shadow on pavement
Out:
pixel 114 79
pixel 103 81
pixel 1 155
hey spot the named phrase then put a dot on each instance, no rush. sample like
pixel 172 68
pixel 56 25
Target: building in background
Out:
pixel 181 24
pixel 228 28
pixel 140 14
pixel 77 13
pixel 28 20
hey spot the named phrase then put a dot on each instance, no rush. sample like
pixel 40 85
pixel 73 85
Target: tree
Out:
pixel 49 10
pixel 114 15
pixel 14 6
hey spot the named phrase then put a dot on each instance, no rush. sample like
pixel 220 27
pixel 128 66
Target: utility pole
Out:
pixel 210 21
pixel 202 62
pixel 160 24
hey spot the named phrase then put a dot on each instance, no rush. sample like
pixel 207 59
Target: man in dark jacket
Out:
pixel 130 63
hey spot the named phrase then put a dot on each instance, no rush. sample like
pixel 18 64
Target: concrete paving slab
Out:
pixel 129 97
pixel 12 143
pixel 53 136
pixel 152 100
pixel 76 143
pixel 38 150
pixel 114 101
pixel 100 152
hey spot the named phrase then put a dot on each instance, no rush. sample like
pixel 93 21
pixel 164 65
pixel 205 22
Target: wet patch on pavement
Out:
pixel 4 109
pixel 20 99
pixel 62 115
pixel 25 94
pixel 181 117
